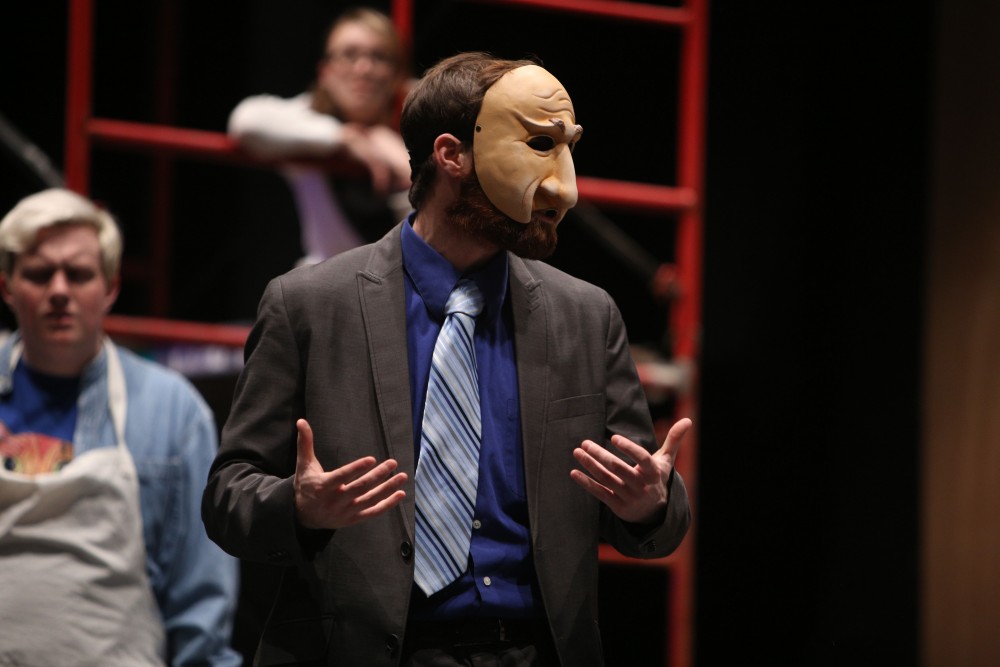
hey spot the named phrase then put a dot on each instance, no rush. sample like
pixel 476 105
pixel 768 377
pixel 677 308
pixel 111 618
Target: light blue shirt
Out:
pixel 170 433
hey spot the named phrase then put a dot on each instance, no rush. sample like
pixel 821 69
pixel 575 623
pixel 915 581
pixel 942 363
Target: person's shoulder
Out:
pixel 572 297
pixel 169 421
pixel 331 271
pixel 556 281
pixel 149 376
pixel 377 259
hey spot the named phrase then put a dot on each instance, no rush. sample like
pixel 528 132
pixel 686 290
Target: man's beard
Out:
pixel 476 214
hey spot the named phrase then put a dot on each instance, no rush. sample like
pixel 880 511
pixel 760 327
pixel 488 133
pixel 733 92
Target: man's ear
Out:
pixel 451 156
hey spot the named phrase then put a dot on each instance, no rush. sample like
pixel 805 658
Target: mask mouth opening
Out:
pixel 548 215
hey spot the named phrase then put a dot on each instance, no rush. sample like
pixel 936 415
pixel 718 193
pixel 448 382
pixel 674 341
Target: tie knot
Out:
pixel 465 298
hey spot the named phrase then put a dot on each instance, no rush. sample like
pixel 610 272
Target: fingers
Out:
pixel 636 491
pixel 344 496
pixel 360 477
pixel 376 491
pixel 614 490
pixel 381 498
pixel 383 506
pixel 600 492
pixel 638 469
pixel 367 496
pixel 633 492
pixel 349 473
pixel 324 502
pixel 604 466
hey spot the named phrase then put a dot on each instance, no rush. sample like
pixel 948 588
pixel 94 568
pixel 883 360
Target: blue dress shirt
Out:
pixel 501 578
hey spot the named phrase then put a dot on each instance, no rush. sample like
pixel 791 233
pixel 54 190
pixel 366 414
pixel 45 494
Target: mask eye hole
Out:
pixel 542 142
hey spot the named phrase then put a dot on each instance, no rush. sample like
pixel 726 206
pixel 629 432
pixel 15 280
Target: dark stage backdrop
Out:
pixel 818 148
pixel 815 219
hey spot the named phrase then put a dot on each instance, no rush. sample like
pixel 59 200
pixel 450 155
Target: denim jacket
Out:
pixel 171 435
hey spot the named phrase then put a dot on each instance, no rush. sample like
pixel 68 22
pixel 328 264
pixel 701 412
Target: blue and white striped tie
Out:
pixel 448 471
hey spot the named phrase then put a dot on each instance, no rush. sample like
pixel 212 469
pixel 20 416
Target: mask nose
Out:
pixel 559 187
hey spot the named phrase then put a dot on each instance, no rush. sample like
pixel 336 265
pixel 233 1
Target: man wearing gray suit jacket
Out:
pixel 331 467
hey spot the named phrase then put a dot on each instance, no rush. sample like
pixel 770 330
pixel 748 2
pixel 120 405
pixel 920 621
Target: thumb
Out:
pixel 672 443
pixel 304 445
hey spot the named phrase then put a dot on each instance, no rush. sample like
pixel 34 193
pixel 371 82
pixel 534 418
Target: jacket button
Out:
pixel 392 643
pixel 406 550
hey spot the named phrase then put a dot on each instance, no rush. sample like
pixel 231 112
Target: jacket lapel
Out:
pixel 530 339
pixel 383 308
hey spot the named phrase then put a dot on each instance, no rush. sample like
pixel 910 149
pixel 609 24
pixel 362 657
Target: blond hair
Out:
pixel 58 207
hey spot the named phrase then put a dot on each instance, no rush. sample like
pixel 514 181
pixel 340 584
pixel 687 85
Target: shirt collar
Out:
pixel 434 277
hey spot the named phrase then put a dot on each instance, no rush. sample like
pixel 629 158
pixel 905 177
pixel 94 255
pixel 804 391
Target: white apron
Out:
pixel 73 583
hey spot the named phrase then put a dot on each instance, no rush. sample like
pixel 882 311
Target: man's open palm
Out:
pixel 347 495
pixel 635 493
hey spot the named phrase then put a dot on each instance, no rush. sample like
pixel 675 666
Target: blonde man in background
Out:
pixel 104 456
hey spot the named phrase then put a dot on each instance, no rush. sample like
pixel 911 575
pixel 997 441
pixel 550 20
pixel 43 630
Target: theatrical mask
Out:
pixel 524 136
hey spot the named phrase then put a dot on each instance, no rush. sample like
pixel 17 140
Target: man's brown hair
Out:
pixel 446 100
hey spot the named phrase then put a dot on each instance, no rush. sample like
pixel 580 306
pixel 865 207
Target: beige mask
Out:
pixel 522 147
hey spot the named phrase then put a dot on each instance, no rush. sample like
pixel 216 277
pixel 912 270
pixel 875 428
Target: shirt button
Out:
pixel 477 524
pixel 487 581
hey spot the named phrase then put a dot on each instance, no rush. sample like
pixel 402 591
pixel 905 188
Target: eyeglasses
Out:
pixel 350 57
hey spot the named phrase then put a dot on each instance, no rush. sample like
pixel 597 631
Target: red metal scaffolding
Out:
pixel 680 200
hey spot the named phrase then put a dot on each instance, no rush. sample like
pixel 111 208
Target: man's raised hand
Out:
pixel 348 495
pixel 635 493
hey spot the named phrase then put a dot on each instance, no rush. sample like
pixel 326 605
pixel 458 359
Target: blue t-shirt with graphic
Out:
pixel 39 417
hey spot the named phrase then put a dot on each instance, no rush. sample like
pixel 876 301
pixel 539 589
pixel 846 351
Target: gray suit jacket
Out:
pixel 330 345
